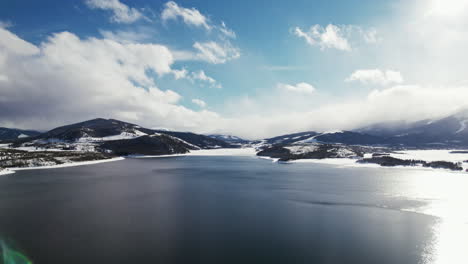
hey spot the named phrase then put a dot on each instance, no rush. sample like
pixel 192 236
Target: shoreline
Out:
pixel 71 164
pixel 245 152
pixel 351 163
pixel 6 172
pixel 204 152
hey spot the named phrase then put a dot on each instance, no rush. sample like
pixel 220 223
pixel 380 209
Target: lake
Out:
pixel 218 209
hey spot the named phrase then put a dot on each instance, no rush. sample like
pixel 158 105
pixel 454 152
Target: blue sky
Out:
pixel 250 68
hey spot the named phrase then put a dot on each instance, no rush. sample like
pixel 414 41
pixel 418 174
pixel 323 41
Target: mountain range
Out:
pixel 122 138
pixel 447 132
pixel 119 138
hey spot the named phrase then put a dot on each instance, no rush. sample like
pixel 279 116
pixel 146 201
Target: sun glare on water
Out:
pixel 446 196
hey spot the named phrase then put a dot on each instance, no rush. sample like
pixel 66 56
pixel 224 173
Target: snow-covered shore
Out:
pixel 207 152
pixel 426 155
pixel 5 172
pixel 71 164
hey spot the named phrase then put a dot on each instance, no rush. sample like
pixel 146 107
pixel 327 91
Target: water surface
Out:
pixel 234 210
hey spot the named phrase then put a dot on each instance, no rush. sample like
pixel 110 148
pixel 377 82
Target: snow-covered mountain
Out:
pixel 447 132
pixel 229 139
pixel 291 138
pixel 118 137
pixel 13 133
pixel 450 131
pixel 342 137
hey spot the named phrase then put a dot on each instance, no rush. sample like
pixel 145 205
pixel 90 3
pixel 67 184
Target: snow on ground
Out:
pixel 302 149
pixel 308 140
pixel 426 155
pixel 462 126
pixel 71 164
pixel 123 135
pixel 207 152
pixel 224 152
pixel 23 136
pixel 433 155
pixel 351 163
pixel 5 171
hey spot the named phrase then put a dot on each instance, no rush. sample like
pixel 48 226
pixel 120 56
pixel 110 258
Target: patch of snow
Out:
pixel 345 153
pixel 6 171
pixel 121 136
pixel 302 149
pixel 351 163
pixel 333 131
pixel 307 140
pixel 462 126
pixel 23 136
pixel 432 155
pixel 183 141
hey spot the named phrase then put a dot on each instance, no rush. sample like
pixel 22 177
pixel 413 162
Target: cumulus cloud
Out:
pixel 199 102
pixel 201 76
pixel 301 87
pixel 11 43
pixel 67 79
pixel 190 16
pixel 121 12
pixel 376 76
pixel 214 52
pixel 335 36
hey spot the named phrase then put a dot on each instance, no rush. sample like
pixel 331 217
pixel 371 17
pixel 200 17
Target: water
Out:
pixel 234 210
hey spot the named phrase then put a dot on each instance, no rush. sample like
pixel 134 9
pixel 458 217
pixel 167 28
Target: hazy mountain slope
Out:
pixel 13 133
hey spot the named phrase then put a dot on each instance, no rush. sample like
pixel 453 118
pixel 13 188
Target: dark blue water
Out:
pixel 215 210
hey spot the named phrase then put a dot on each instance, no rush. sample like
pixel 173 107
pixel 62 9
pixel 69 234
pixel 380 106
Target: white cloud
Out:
pixel 226 31
pixel 121 12
pixel 336 36
pixel 201 76
pixel 5 24
pixel 67 79
pixel 199 102
pixel 215 53
pixel 9 42
pixel 301 87
pixel 180 74
pixel 376 76
pixel 370 36
pixel 190 16
pixel 329 37
pixel 126 36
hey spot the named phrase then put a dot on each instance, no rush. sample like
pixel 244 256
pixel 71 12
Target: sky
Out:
pixel 248 68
